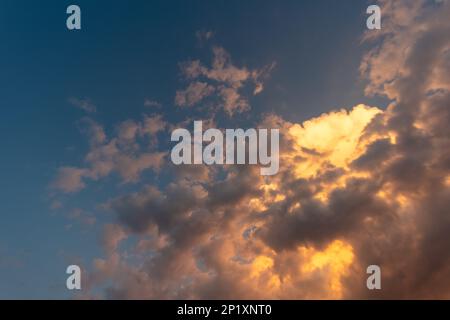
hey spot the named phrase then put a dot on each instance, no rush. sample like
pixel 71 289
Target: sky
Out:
pixel 364 163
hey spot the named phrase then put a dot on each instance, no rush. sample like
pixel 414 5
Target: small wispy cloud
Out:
pixel 84 104
pixel 204 35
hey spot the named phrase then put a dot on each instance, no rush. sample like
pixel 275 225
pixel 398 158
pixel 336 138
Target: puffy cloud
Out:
pixel 414 45
pixel 112 235
pixel 122 154
pixel 356 187
pixel 220 237
pixel 93 130
pixel 224 79
pixel 70 179
pixel 232 101
pixel 193 94
pixel 332 138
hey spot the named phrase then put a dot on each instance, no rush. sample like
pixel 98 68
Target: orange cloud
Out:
pixel 355 187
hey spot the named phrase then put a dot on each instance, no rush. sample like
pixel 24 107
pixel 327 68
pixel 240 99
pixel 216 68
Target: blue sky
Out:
pixel 126 52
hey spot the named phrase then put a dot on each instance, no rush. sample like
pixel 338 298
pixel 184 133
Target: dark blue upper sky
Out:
pixel 128 51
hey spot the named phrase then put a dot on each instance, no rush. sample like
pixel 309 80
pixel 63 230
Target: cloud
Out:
pixel 406 35
pixel 112 235
pixel 224 79
pixel 356 187
pixel 82 217
pixel 122 154
pixel 232 101
pixel 214 234
pixel 83 104
pixel 204 35
pixel 70 179
pixel 193 94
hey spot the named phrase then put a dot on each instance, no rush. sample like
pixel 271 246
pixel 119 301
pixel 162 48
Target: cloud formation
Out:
pixel 356 187
pixel 83 104
pixel 224 79
pixel 122 154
